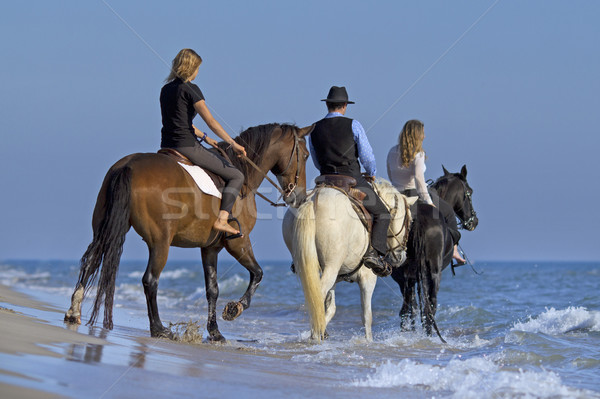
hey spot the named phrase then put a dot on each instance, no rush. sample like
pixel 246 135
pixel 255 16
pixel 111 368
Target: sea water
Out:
pixel 513 330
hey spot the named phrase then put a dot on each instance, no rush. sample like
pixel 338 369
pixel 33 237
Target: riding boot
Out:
pixel 373 261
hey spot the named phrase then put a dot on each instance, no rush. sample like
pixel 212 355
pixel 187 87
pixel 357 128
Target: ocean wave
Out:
pixel 232 285
pixel 166 274
pixel 478 377
pixel 15 277
pixel 418 339
pixel 555 322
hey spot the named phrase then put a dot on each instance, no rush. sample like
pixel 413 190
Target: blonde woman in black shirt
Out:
pixel 180 101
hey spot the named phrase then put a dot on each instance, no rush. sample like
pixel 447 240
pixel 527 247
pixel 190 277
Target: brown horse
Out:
pixel 152 193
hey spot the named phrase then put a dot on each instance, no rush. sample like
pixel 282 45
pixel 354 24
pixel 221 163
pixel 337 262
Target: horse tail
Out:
pixel 307 266
pixel 419 254
pixel 107 245
pixel 424 277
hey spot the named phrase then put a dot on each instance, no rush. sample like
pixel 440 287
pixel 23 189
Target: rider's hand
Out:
pixel 238 148
pixel 211 142
pixel 369 178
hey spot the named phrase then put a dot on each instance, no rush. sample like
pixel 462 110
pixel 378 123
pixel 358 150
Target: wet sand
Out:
pixel 41 357
pixel 25 335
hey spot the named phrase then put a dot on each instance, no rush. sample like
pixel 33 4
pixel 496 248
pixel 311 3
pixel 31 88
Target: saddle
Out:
pixel 179 157
pixel 217 180
pixel 346 184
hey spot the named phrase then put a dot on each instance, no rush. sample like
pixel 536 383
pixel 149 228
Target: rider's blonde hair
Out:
pixel 411 141
pixel 185 64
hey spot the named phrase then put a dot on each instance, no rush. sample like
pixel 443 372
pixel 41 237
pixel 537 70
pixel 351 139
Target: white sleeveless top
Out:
pixel 411 177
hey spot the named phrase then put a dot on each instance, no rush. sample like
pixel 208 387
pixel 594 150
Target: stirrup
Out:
pixel 373 261
pixel 236 235
pixel 456 263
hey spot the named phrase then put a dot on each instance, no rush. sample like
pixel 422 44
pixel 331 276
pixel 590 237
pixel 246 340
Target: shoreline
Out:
pixel 24 334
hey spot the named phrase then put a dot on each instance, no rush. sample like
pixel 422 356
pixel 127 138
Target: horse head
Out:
pixel 454 189
pixel 290 164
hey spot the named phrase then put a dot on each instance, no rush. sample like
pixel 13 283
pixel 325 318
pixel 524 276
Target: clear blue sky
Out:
pixel 509 88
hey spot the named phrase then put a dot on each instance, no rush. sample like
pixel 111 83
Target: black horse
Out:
pixel 430 247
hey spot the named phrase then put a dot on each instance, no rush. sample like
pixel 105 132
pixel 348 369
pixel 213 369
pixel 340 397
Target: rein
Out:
pixel 405 223
pixel 467 198
pixel 291 187
pixel 469 222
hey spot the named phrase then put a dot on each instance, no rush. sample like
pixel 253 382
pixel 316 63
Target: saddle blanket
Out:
pixel 202 179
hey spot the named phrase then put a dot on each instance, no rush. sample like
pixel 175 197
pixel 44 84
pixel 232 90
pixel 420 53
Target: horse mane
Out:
pixel 442 183
pixel 387 191
pixel 255 140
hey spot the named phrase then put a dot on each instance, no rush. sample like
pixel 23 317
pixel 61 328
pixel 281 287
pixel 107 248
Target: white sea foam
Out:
pixel 419 339
pixel 554 322
pixel 478 377
pixel 16 277
pixel 232 284
pixel 198 294
pixel 130 293
pixel 166 274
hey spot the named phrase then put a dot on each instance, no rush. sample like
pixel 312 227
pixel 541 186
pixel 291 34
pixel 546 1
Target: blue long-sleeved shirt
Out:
pixel 365 152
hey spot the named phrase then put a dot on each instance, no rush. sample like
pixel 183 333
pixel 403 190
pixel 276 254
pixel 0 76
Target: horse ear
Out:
pixel 305 131
pixel 463 172
pixel 411 200
pixel 446 173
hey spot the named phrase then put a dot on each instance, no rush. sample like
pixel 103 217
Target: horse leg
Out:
pixel 366 281
pixel 73 315
pixel 209 263
pixel 156 263
pixel 409 302
pixel 329 306
pixel 412 305
pixel 433 285
pixel 328 279
pixel 245 256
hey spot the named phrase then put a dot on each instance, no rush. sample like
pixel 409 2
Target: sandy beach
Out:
pixel 41 357
pixel 27 336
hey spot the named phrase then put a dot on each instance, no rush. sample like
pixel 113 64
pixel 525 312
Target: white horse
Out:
pixel 327 241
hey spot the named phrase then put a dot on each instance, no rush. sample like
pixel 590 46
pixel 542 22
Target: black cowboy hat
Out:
pixel 337 95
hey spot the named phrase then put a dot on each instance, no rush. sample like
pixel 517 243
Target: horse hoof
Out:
pixel 72 319
pixel 216 338
pixel 232 311
pixel 162 333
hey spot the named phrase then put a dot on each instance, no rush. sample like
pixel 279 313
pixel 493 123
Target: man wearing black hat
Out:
pixel 339 145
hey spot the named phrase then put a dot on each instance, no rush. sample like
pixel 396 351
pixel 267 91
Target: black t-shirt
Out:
pixel 177 99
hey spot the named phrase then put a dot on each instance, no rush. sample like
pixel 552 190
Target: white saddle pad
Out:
pixel 202 179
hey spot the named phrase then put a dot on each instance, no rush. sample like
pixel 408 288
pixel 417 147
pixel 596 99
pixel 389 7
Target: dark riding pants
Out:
pixel 234 179
pixel 380 213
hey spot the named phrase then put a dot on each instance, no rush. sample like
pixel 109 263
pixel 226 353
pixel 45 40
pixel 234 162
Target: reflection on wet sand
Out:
pixel 86 353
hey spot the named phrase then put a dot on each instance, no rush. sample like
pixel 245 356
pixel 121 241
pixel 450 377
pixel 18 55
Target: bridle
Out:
pixel 467 224
pixel 291 186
